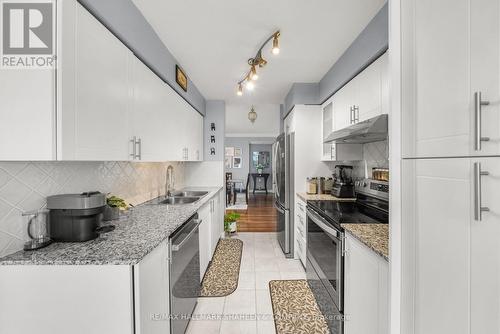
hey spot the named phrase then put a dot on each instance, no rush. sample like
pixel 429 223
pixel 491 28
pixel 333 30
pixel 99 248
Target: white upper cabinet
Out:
pixel 447 57
pixel 343 107
pixel 453 249
pixel 102 103
pixel 94 117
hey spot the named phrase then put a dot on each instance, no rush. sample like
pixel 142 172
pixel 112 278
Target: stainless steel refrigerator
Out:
pixel 283 190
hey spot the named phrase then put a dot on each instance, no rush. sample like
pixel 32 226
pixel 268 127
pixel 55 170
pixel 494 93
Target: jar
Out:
pixel 321 185
pixel 311 185
pixel 328 185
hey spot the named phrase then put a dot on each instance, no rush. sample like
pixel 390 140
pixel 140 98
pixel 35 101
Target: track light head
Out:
pixel 253 73
pixel 240 90
pixel 250 85
pixel 276 47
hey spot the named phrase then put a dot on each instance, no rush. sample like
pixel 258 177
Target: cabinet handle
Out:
pixel 478 208
pixel 139 143
pixel 351 116
pixel 478 103
pixel 133 154
pixel 356 114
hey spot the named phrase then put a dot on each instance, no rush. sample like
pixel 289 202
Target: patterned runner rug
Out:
pixel 221 278
pixel 295 309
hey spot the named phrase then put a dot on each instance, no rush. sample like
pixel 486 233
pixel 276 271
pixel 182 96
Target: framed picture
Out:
pixel 237 152
pixel 236 162
pixel 229 151
pixel 228 162
pixel 181 78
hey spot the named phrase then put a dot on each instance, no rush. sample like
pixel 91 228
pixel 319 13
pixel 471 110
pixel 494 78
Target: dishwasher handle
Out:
pixel 177 246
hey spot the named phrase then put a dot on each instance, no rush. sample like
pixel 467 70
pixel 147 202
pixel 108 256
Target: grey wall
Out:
pixel 244 144
pixel 125 20
pixel 282 117
pixel 372 42
pixel 301 93
pixel 215 113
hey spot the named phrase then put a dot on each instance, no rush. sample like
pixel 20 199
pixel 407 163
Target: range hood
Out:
pixel 373 129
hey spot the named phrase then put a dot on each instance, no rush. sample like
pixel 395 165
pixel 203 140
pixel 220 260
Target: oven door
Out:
pixel 325 256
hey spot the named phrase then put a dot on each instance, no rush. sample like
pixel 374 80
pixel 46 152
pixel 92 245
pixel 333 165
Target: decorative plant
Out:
pixel 260 168
pixel 230 221
pixel 116 202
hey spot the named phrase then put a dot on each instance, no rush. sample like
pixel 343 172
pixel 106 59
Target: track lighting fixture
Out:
pixel 259 61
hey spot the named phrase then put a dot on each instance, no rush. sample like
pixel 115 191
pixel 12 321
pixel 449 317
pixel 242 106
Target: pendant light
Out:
pixel 252 115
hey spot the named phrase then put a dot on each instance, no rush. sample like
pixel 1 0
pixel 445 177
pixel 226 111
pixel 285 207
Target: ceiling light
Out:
pixel 252 115
pixel 253 73
pixel 257 61
pixel 276 47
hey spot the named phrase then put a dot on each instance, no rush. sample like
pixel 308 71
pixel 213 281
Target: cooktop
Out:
pixel 341 212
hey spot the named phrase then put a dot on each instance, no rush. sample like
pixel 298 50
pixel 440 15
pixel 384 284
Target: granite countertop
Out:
pixel 322 197
pixel 375 236
pixel 135 235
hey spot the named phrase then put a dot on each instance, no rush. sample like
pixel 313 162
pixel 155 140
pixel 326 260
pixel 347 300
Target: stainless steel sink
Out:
pixel 189 193
pixel 179 200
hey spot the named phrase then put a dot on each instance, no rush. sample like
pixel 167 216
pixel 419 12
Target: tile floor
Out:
pixel 248 310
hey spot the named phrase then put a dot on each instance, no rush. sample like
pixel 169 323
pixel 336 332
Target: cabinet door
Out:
pixel 217 222
pixel 342 116
pixel 27 114
pixel 485 253
pixel 368 99
pixel 151 288
pixel 327 123
pixel 102 94
pixel 364 290
pixel 152 119
pixel 436 231
pixel 485 70
pixel 205 238
pixel 436 101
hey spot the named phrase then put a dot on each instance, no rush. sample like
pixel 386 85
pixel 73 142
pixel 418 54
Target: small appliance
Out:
pixel 76 217
pixel 343 185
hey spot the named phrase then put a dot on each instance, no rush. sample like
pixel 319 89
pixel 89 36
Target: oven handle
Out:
pixel 316 218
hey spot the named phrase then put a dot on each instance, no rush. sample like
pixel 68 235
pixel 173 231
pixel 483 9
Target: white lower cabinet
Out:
pixel 87 299
pixel 452 249
pixel 300 230
pixel 366 295
pixel 211 229
pixel 205 215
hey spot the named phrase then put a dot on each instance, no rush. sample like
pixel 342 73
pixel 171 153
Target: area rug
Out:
pixel 295 309
pixel 221 278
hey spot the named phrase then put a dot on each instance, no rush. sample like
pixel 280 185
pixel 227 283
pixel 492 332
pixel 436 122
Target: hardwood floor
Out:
pixel 260 215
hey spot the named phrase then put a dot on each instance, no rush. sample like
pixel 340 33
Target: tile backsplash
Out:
pixel 25 185
pixel 375 154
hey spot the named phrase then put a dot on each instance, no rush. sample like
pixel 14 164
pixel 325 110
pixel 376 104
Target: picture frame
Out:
pixel 229 151
pixel 181 78
pixel 236 162
pixel 237 152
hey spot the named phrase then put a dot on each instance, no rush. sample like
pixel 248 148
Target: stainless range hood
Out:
pixel 373 129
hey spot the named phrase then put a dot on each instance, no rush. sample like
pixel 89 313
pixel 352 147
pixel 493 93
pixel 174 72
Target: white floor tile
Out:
pixel 246 280
pixel 262 279
pixel 240 302
pixel 238 327
pixel 204 327
pixel 208 306
pixel 290 265
pixel 292 275
pixel 266 264
pixel 263 304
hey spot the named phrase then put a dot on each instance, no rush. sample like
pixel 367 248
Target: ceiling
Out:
pixel 213 40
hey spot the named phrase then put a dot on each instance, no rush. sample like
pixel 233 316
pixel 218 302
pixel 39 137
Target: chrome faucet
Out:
pixel 169 182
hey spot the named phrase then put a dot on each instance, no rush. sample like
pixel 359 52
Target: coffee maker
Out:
pixel 343 185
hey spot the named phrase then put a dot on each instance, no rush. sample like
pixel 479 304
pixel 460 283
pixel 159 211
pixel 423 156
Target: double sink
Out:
pixel 183 197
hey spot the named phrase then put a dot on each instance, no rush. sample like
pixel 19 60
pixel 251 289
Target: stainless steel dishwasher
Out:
pixel 184 274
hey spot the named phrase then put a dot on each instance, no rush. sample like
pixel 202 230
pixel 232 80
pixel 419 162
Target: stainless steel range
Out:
pixel 326 243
